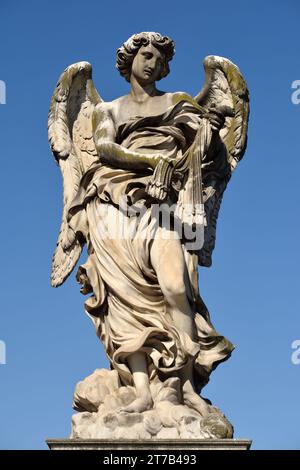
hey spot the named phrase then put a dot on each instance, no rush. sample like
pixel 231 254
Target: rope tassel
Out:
pixel 159 185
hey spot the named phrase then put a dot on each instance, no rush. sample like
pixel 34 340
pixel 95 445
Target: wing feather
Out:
pixel 72 144
pixel 224 87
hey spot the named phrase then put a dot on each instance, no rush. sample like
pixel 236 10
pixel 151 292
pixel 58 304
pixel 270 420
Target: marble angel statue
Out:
pixel 119 160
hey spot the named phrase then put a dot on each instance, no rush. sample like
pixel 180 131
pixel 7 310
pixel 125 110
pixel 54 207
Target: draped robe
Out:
pixel 127 305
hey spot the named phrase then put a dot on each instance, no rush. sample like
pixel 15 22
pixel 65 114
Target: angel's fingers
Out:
pixel 215 123
pixel 217 112
pixel 216 117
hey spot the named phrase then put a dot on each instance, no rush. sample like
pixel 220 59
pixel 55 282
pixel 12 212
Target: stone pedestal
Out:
pixel 154 445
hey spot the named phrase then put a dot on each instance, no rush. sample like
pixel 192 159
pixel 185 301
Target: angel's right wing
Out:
pixel 71 140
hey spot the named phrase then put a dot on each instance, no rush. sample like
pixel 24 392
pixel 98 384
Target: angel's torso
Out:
pixel 158 125
pixel 126 108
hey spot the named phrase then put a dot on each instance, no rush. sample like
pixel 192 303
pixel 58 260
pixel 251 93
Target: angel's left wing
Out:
pixel 224 89
pixel 71 140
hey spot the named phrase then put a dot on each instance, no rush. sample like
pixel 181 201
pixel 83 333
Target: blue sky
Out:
pixel 252 290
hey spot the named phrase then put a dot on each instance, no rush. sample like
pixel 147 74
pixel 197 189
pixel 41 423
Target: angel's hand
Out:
pixel 216 119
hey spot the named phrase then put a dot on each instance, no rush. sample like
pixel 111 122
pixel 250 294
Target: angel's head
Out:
pixel 147 54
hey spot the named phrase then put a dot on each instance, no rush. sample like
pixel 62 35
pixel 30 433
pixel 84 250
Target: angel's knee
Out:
pixel 173 286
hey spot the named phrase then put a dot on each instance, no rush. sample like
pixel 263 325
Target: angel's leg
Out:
pixel 168 261
pixel 169 264
pixel 138 365
pixel 190 397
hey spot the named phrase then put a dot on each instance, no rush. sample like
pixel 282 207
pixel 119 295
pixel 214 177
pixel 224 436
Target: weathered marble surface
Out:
pixel 152 445
pixel 153 149
pixel 100 399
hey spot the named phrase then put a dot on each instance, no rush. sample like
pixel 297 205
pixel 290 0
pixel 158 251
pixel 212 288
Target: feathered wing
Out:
pixel 224 88
pixel 71 140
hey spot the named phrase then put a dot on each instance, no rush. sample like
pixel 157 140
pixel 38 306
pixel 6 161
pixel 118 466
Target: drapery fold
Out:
pixel 127 305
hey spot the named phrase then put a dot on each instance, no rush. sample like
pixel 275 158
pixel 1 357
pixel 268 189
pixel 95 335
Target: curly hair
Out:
pixel 128 50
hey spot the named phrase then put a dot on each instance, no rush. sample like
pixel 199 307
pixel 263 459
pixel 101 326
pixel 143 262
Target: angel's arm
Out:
pixel 112 153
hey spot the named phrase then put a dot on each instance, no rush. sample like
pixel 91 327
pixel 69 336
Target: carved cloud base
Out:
pixel 101 400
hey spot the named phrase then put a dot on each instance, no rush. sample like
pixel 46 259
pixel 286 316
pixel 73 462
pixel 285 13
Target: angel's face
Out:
pixel 148 64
